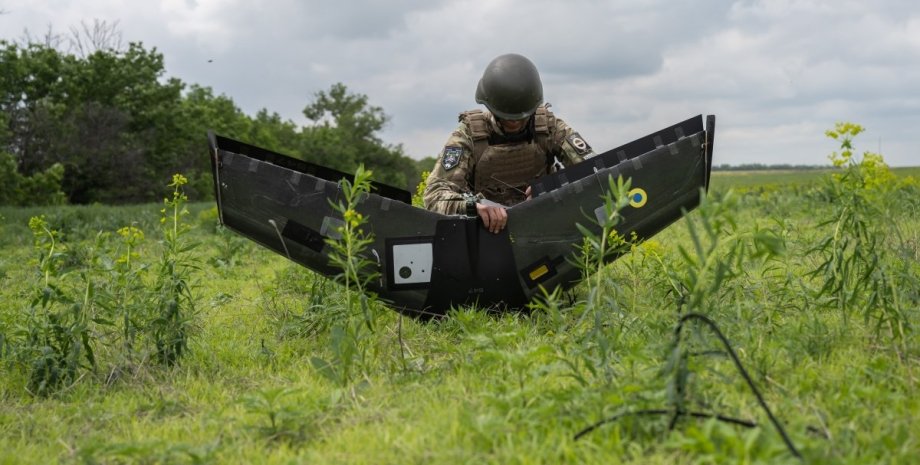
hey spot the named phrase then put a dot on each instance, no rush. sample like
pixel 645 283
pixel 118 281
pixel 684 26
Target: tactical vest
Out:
pixel 504 166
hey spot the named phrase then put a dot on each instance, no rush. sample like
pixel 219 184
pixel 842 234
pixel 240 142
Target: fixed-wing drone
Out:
pixel 428 262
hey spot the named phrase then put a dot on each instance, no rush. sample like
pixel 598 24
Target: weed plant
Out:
pixel 173 300
pixel 282 420
pixel 57 343
pixel 601 305
pixel 353 322
pixel 94 309
pixel 859 271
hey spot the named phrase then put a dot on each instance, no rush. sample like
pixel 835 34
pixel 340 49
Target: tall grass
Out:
pixel 99 310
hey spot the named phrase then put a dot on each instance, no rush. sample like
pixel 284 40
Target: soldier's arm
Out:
pixel 449 179
pixel 572 148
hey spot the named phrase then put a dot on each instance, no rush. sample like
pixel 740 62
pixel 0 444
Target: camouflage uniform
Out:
pixel 479 159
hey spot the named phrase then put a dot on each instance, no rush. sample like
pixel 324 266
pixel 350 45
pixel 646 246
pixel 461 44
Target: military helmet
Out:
pixel 510 87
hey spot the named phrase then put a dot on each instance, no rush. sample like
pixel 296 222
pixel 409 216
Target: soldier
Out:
pixel 492 157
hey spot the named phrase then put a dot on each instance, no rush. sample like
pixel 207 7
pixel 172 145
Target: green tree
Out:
pixel 112 125
pixel 106 118
pixel 41 188
pixel 30 84
pixel 344 136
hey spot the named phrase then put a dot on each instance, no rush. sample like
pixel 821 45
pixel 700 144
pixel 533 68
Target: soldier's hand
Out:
pixel 527 193
pixel 494 217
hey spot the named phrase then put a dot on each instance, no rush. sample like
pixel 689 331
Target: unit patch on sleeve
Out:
pixel 580 145
pixel 450 157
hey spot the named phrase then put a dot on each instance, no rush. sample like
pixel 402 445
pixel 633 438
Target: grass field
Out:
pixel 762 178
pixel 817 288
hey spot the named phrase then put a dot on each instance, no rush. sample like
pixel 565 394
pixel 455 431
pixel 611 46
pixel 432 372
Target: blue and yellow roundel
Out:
pixel 637 197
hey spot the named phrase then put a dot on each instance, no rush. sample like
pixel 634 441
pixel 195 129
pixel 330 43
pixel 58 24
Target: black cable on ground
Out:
pixel 677 413
pixel 736 421
pixel 747 378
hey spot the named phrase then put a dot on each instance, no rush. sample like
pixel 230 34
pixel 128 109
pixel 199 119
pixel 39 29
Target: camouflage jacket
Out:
pixel 479 159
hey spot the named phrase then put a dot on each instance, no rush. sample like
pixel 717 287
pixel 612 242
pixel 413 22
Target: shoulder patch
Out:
pixel 579 144
pixel 450 157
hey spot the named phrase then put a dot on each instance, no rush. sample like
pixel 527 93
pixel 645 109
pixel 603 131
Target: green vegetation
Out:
pixel 108 125
pixel 147 334
pixel 763 179
pixel 353 324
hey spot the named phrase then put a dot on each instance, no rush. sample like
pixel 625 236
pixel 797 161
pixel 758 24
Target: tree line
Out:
pixel 107 126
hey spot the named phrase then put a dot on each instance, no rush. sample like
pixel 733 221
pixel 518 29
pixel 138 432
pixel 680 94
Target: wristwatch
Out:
pixel 471 201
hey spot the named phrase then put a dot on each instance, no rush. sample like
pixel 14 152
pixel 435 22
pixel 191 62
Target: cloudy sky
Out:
pixel 776 73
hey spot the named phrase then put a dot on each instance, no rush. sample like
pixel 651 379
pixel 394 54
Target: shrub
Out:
pixel 41 188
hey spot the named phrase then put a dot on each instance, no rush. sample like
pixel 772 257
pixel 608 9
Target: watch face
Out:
pixel 470 207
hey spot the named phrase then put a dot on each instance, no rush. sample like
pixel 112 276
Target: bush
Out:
pixel 42 188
